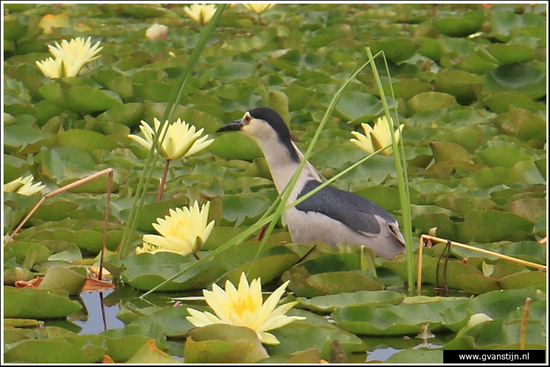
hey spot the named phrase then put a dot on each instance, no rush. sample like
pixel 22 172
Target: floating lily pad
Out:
pixel 331 302
pixel 223 343
pixel 459 26
pixel 460 84
pixel 268 265
pixel 146 271
pixel 331 274
pixel 518 78
pixel 501 102
pixel 523 124
pixel 405 319
pixel 430 101
pixel 300 335
pixel 70 280
pixel 37 304
pixel 396 49
pixel 492 225
pixel 235 146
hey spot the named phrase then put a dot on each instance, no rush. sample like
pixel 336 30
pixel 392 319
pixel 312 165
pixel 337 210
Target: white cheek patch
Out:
pixel 259 130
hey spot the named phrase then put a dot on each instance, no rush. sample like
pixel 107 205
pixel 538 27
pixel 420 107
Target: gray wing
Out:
pixel 353 210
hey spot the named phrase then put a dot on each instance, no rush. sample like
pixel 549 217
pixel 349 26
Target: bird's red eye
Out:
pixel 247 117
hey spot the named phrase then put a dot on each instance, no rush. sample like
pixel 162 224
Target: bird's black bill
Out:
pixel 231 126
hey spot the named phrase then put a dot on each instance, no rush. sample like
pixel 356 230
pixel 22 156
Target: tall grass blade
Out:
pixel 143 185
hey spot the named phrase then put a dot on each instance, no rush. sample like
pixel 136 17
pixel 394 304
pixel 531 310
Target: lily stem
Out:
pixel 163 180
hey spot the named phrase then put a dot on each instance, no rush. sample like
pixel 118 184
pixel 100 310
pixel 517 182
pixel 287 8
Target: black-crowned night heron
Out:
pixel 330 215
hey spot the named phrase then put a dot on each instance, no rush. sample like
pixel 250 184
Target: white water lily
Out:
pixel 200 13
pixel 156 32
pixel 181 140
pixel 377 137
pixel 183 231
pixel 72 55
pixel 24 186
pixel 244 307
pixel 258 8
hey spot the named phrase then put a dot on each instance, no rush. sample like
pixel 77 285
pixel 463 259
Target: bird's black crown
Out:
pixel 273 119
pixel 278 124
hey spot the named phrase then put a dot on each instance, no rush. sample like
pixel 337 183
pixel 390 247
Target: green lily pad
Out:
pixel 396 49
pixel 85 140
pixel 385 319
pixel 146 271
pixel 331 302
pixel 86 233
pixel 123 343
pixel 235 146
pixel 25 140
pixel 37 304
pixel 116 82
pixel 149 353
pixel 501 102
pixel 499 334
pixel 54 350
pixel 517 78
pixel 505 156
pixel 460 84
pixel 239 209
pixel 506 54
pixel 492 225
pixel 425 355
pixel 223 343
pixel 477 283
pixel 269 265
pixel 300 335
pixel 172 320
pixel 459 26
pixel 524 279
pixel 65 279
pixel 331 274
pixel 523 124
pixel 506 22
pixel 430 101
pixel 444 151
pixel 128 114
pixel 23 251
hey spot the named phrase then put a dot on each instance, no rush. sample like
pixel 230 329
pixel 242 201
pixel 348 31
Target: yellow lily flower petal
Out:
pixel 75 54
pixel 182 231
pixel 377 137
pixel 24 186
pixel 52 68
pixel 258 8
pixel 181 140
pixel 243 306
pixel 200 13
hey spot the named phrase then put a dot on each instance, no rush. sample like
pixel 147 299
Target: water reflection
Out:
pixel 97 315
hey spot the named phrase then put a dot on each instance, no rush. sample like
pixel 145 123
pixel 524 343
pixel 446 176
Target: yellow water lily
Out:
pixel 244 307
pixel 52 68
pixel 377 137
pixel 183 231
pixel 258 8
pixel 181 140
pixel 72 55
pixel 24 186
pixel 200 13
